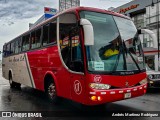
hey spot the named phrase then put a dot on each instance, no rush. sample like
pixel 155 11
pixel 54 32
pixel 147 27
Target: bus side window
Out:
pixel 16 46
pixel 35 39
pixel 32 39
pixel 4 50
pixel 53 32
pixel 45 35
pixel 12 47
pixel 38 38
pixel 25 43
pixel 19 45
pixel 8 49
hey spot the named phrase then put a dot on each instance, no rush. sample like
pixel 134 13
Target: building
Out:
pixel 65 4
pixel 145 15
pixel 48 13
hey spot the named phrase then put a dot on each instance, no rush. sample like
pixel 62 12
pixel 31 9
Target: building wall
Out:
pixel 142 5
pixel 145 16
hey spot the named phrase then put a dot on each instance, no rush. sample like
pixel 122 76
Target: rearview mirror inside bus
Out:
pixel 88 32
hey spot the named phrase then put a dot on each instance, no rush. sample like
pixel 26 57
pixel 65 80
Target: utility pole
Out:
pixel 157 19
pixel 158 27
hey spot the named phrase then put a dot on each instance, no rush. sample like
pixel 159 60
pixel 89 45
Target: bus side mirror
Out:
pixel 88 32
pixel 0 52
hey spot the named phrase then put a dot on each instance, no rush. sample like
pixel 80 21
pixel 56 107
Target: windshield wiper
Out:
pixel 124 49
pixel 131 56
pixel 117 61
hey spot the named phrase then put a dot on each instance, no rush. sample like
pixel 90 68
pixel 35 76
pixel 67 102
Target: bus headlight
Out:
pixel 99 86
pixel 150 77
pixel 144 81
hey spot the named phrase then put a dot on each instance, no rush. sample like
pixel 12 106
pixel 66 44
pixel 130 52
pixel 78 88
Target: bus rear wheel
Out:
pixel 13 84
pixel 52 92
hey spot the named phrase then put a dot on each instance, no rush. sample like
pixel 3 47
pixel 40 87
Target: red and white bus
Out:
pixel 88 55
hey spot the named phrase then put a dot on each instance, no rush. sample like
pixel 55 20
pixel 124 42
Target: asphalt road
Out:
pixel 29 99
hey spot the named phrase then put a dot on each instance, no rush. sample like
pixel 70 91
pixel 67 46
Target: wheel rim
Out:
pixel 52 91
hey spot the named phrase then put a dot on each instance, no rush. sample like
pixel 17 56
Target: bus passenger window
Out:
pixel 45 34
pixel 4 50
pixel 35 39
pixel 17 45
pixel 32 39
pixel 38 38
pixel 33 42
pixel 52 32
pixel 25 43
pixel 8 49
pixel 12 47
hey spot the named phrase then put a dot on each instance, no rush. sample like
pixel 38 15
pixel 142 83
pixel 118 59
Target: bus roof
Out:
pixel 76 9
pixel 81 8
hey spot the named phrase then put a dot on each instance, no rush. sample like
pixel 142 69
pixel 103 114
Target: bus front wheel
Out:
pixel 52 92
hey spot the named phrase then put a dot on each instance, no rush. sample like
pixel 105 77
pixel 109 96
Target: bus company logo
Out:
pixel 97 79
pixel 77 87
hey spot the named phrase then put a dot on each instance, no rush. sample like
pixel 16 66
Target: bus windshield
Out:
pixel 116 46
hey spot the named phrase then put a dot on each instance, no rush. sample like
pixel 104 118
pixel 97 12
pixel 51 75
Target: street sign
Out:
pixel 65 4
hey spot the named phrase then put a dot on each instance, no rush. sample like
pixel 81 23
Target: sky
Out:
pixel 15 15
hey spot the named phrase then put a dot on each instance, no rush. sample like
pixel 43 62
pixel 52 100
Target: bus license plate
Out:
pixel 127 95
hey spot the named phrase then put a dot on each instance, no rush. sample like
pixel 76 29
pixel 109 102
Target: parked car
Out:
pixel 153 78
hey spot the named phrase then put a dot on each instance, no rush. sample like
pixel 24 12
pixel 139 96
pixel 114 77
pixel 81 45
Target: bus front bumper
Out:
pixel 104 96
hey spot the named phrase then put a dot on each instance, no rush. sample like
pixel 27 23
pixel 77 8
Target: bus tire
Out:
pixel 13 84
pixel 51 92
pixel 18 86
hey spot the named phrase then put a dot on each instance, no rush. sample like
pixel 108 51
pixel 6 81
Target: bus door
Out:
pixel 76 65
pixel 72 77
pixel 70 50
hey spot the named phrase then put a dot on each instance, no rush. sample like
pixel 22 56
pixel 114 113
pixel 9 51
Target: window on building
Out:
pixel 139 20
